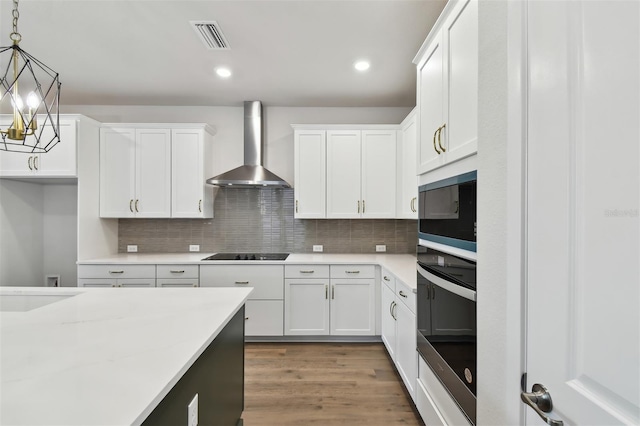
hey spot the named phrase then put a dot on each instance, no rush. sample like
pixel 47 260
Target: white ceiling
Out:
pixel 285 53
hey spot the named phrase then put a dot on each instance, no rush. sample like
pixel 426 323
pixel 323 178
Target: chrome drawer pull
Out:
pixel 307 272
pixel 402 294
pixel 352 272
pixel 386 278
pixel 242 282
pixel 116 272
pixel 176 271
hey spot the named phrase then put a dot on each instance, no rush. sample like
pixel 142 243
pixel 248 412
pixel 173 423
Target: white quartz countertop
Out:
pixel 403 266
pixel 101 356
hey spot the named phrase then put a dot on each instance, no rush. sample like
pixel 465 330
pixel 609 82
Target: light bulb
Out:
pixel 32 100
pixel 16 102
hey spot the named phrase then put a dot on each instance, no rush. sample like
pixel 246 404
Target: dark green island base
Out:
pixel 217 377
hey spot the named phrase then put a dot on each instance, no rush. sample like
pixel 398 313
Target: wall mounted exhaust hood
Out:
pixel 252 174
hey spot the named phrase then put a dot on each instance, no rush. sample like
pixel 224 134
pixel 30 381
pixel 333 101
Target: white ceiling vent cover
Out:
pixel 210 34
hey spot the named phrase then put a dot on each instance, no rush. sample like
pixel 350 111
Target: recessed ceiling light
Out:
pixel 361 65
pixel 223 72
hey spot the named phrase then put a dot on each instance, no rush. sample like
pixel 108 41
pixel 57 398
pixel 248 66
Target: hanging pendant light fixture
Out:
pixel 31 95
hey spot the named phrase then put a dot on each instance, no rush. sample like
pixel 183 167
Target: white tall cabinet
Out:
pixel 135 172
pixel 447 88
pixel 310 156
pixel 407 176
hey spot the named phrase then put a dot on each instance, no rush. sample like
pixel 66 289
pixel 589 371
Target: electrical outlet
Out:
pixel 381 247
pixel 318 248
pixel 132 249
pixel 194 247
pixel 192 419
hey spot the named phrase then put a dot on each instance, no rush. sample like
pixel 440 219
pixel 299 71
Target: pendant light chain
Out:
pixel 15 35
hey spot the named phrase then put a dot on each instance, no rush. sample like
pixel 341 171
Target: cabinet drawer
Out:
pixel 388 279
pixel 177 271
pixel 406 295
pixel 117 271
pixel 177 282
pixel 267 280
pixel 353 271
pixel 306 271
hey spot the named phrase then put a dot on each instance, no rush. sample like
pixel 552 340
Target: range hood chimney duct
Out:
pixel 252 174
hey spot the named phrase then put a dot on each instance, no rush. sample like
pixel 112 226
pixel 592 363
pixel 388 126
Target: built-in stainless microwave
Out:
pixel 447 211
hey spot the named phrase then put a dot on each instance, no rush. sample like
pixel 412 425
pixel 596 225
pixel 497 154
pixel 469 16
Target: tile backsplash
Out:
pixel 261 220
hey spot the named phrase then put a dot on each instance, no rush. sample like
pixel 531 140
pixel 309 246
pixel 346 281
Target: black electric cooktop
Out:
pixel 248 256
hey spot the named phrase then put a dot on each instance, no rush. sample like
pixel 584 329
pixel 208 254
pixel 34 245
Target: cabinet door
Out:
pixel 310 174
pixel 379 174
pixel 188 186
pixel 353 307
pixel 406 348
pixel 430 103
pixel 177 282
pixel 263 317
pixel 153 173
pixel 96 282
pixel 306 307
pixel 460 33
pixel 343 174
pixel 136 282
pixel 61 160
pixel 407 176
pixel 388 333
pixel 117 172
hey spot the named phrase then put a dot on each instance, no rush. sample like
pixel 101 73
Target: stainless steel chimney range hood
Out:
pixel 251 174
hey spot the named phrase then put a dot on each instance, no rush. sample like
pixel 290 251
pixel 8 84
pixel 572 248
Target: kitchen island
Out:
pixel 86 356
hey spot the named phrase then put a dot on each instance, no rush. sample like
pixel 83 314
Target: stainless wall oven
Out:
pixel 446 306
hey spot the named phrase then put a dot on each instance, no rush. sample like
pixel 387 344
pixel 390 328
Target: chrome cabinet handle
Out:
pixel 137 201
pixel 35 163
pixel 362 206
pixel 116 272
pixel 296 206
pixel 246 318
pixel 434 141
pixel 402 293
pixel 173 271
pixel 395 317
pixel 131 205
pixel 200 206
pixel 333 292
pixel 391 309
pixel 311 271
pixel 351 272
pixel 428 291
pixel 440 134
pixel 433 292
pixel 29 162
pixel 386 278
pixel 358 206
pixel 326 291
pixel 242 282
pixel 540 400
pixel 412 204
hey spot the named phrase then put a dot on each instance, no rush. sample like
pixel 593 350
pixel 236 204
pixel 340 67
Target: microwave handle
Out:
pixel 448 286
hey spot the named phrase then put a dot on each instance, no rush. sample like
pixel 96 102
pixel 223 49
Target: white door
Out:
pixel 378 174
pixel 388 320
pixel 583 323
pixel 310 174
pixel 153 173
pixel 407 177
pixel 61 160
pixel 117 172
pixel 352 307
pixel 187 175
pixel 306 307
pixel 343 174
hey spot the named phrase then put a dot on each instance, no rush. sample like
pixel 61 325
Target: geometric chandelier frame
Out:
pixel 31 95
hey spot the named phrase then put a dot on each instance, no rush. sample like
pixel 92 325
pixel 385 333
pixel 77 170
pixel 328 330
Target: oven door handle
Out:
pixel 448 286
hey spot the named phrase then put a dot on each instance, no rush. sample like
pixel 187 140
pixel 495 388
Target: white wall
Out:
pixel 499 222
pixel 228 121
pixel 21 228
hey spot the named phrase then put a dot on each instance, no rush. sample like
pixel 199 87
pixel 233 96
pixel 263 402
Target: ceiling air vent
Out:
pixel 210 34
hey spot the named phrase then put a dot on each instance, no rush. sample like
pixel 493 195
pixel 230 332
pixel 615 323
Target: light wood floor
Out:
pixel 324 384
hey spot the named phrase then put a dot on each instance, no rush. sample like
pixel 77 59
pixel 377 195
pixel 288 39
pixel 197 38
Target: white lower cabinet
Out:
pixel 264 308
pixel 116 275
pixel 398 322
pixel 177 276
pixel 330 301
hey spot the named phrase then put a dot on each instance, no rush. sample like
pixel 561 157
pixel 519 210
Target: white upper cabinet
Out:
pixel 407 207
pixel 448 88
pixel 310 174
pixel 59 162
pixel 191 166
pixel 361 173
pixel 135 172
